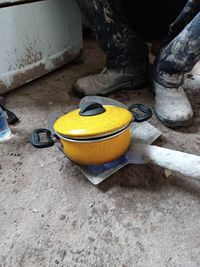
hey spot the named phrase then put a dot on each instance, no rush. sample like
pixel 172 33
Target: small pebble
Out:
pixel 62 253
pixel 62 216
pixel 168 173
pixel 92 204
pixel 91 239
pixel 35 211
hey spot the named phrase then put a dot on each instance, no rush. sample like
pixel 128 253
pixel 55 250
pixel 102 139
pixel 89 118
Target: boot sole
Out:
pixel 112 90
pixel 173 124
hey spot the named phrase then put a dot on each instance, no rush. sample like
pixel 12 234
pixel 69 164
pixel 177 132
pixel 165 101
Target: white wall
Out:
pixel 37 38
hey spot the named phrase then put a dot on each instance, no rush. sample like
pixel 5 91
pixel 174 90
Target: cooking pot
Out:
pixel 94 134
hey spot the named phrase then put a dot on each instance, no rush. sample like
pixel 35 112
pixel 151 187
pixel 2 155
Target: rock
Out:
pixel 62 217
pixel 62 253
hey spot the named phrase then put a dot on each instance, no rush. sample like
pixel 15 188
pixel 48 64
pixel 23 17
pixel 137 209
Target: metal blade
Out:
pixel 101 100
pixel 51 120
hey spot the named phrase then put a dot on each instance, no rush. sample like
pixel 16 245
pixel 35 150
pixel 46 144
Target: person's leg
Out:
pixel 126 52
pixel 179 56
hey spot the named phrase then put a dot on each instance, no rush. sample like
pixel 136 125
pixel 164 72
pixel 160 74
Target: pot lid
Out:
pixel 93 120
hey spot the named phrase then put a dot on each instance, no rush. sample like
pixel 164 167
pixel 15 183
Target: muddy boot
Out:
pixel 111 80
pixel 172 106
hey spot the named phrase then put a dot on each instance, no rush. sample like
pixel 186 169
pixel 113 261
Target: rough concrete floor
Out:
pixel 50 215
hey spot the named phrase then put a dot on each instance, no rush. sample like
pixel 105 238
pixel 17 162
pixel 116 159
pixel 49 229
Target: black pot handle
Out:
pixel 35 138
pixel 144 109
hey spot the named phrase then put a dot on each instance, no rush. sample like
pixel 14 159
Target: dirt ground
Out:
pixel 51 215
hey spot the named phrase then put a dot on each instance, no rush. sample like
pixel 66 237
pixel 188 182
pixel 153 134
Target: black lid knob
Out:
pixel 92 109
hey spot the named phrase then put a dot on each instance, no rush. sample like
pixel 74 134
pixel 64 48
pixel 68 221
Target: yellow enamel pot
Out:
pixel 95 152
pixel 95 134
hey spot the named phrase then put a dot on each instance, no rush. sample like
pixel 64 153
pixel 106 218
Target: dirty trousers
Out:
pixel 124 46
